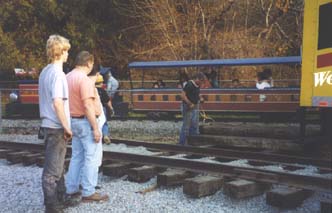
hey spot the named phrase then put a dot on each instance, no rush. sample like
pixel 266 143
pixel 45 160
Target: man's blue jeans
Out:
pixel 190 123
pixel 85 159
pixel 105 130
pixel 194 128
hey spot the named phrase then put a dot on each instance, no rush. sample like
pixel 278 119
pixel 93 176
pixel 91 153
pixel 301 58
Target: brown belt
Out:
pixel 82 117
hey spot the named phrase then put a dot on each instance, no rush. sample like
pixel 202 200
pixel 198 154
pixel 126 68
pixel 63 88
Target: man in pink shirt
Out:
pixel 84 163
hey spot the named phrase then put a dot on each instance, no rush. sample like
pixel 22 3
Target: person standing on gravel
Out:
pixel 55 121
pixel 85 159
pixel 106 104
pixel 190 100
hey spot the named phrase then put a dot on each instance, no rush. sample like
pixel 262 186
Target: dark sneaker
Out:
pixel 54 209
pixel 71 200
pixel 76 195
pixel 96 197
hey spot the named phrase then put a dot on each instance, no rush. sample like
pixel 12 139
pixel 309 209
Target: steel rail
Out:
pixel 219 153
pixel 223 153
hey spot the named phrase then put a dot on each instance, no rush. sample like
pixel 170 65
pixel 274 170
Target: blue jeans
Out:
pixel 194 128
pixel 105 130
pixel 85 159
pixel 190 123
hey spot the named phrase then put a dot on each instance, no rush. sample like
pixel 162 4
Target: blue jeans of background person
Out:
pixel 85 159
pixel 105 129
pixel 194 128
pixel 190 123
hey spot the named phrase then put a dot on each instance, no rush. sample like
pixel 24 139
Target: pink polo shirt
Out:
pixel 80 88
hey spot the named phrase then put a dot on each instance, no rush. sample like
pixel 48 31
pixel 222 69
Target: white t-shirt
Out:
pixel 262 85
pixel 52 84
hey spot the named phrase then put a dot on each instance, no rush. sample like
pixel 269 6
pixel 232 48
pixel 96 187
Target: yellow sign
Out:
pixel 316 83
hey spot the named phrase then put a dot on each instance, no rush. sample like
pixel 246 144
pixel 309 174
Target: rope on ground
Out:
pixel 205 117
pixel 149 189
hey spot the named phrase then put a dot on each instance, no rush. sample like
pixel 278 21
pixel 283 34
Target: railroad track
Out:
pixel 211 161
pixel 257 157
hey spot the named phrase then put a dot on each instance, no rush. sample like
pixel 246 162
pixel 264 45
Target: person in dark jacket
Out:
pixel 107 104
pixel 190 99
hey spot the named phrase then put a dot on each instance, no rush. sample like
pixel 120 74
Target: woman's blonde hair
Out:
pixel 55 46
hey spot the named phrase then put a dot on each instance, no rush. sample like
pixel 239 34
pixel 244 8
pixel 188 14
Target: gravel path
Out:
pixel 162 131
pixel 23 193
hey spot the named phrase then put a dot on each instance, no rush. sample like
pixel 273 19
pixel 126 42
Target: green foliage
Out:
pixel 120 31
pixel 9 55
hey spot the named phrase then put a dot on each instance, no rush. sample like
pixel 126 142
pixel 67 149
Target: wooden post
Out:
pixel 326 123
pixel 302 122
pixel 323 120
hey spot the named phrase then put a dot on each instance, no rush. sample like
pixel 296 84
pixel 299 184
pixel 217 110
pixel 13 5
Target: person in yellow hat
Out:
pixel 107 104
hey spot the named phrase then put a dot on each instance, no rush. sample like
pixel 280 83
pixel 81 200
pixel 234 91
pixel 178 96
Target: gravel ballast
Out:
pixel 21 192
pixel 162 131
pixel 20 187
